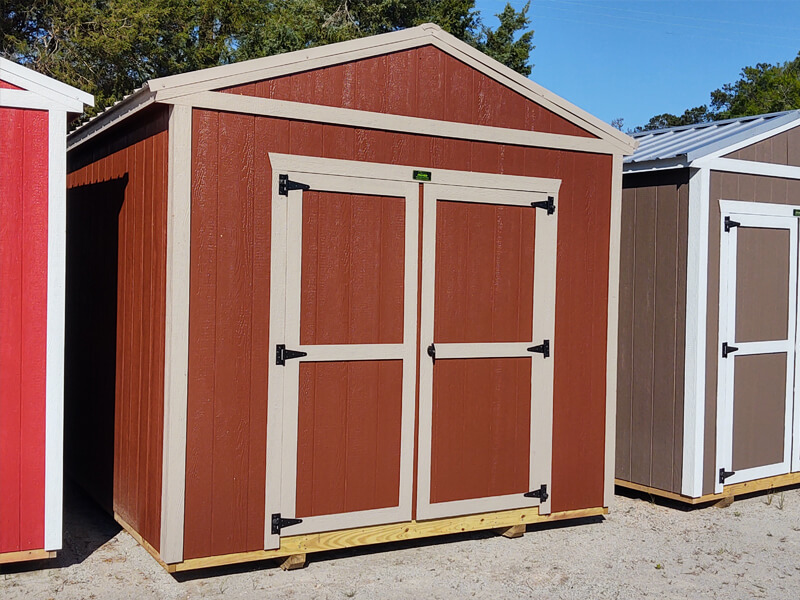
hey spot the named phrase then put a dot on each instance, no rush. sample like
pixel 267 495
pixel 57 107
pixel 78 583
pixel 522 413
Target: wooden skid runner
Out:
pixel 729 491
pixel 347 538
pixel 13 557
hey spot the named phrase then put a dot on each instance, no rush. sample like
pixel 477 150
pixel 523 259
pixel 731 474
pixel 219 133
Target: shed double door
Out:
pixel 758 312
pixel 344 322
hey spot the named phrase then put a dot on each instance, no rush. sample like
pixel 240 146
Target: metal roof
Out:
pixel 690 142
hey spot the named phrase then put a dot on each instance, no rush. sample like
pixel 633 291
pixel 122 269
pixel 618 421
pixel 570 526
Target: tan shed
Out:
pixel 708 310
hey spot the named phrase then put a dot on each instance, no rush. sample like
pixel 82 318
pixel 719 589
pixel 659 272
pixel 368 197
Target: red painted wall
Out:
pixel 228 315
pixel 118 188
pixel 23 326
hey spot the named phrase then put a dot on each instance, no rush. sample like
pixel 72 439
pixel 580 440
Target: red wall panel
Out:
pixel 581 303
pixel 120 190
pixel 23 326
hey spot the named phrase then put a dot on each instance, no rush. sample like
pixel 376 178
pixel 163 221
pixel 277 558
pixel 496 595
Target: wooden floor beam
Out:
pixel 25 555
pixel 729 491
pixel 301 545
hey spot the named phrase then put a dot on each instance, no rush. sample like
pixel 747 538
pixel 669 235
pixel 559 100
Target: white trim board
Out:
pixel 56 299
pixel 612 341
pixel 694 392
pixel 316 113
pixel 748 167
pixel 176 348
pixel 794 121
pixel 71 98
pixel 387 172
pixel 30 100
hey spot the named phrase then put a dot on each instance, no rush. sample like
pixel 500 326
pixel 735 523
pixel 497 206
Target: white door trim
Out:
pixel 541 368
pixel 755 217
pixel 320 175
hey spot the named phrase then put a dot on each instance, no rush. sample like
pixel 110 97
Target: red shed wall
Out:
pixel 118 206
pixel 229 305
pixel 24 144
pixel 423 82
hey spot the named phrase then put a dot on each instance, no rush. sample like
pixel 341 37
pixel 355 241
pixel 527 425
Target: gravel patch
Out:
pixel 643 549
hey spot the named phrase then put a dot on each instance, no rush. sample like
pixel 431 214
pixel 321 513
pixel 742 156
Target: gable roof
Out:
pixel 60 94
pixel 215 78
pixel 679 146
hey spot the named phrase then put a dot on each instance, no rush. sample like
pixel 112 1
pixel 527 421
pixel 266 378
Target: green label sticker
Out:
pixel 796 212
pixel 422 175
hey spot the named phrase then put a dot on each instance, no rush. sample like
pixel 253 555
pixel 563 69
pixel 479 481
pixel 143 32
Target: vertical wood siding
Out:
pixel 119 190
pixel 23 326
pixel 729 186
pixel 652 323
pixel 230 226
pixel 781 149
pixel 422 82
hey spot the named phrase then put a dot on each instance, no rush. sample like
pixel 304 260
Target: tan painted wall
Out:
pixel 781 149
pixel 652 325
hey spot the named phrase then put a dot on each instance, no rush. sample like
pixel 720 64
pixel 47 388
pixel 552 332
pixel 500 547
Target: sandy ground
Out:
pixel 641 550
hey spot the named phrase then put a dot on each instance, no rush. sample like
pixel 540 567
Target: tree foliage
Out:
pixel 765 88
pixel 111 47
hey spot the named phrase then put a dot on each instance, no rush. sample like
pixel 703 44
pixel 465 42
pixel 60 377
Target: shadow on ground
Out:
pixel 86 528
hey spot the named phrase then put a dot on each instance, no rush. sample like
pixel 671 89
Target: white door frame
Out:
pixel 543 329
pixel 750 214
pixel 282 424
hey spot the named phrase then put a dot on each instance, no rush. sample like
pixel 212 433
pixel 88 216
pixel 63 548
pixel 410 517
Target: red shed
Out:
pixel 33 130
pixel 361 294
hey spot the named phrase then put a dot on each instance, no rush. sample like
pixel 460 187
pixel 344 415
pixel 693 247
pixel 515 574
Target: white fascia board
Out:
pixel 31 100
pixel 42 84
pixel 749 167
pixel 678 162
pixel 747 138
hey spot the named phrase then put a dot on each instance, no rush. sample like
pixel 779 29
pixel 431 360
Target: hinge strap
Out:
pixel 282 354
pixel 286 185
pixel 730 224
pixel 726 349
pixel 279 523
pixel 723 475
pixel 549 205
pixel 541 493
pixel 543 348
pixel 432 353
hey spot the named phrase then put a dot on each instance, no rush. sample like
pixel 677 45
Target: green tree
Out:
pixel 761 89
pixel 111 47
pixel 691 116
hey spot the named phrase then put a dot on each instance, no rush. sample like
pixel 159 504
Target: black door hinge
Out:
pixel 730 223
pixel 541 493
pixel 549 205
pixel 543 348
pixel 723 475
pixel 286 185
pixel 279 523
pixel 728 349
pixel 432 353
pixel 282 354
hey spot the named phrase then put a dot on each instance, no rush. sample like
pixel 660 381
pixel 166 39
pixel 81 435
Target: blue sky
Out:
pixel 637 58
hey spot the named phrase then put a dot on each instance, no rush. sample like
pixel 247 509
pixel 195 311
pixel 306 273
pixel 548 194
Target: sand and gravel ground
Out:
pixel 641 550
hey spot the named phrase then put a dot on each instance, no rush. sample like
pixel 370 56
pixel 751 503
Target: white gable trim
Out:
pixel 749 141
pixel 32 101
pixel 269 67
pixel 44 86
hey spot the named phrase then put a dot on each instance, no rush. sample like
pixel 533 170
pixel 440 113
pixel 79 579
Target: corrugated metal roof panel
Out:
pixel 693 141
